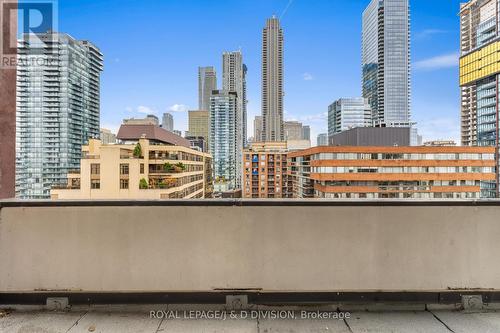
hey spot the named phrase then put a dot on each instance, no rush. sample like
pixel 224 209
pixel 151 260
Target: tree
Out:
pixel 138 151
pixel 143 184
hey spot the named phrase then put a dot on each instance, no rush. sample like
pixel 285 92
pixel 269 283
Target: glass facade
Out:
pixel 58 106
pixel 386 61
pixel 347 113
pixel 223 141
pixel 207 82
pixel 479 69
pixel 234 80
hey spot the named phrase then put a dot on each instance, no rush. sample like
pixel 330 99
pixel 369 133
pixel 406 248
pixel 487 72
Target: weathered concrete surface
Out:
pixel 488 322
pixel 295 248
pixel 200 248
pixel 360 322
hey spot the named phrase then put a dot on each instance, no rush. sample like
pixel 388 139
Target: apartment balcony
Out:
pixel 428 260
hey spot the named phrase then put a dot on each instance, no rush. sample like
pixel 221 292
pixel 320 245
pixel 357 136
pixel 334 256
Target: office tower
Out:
pixel 223 142
pixel 58 96
pixel 257 129
pixel 234 80
pixel 306 132
pixel 386 62
pixel 346 172
pixel 347 113
pixel 272 81
pixel 199 124
pixel 479 75
pixel 322 140
pixel 168 122
pixel 107 137
pixel 292 130
pixel 207 82
pixel 166 168
pixel 265 173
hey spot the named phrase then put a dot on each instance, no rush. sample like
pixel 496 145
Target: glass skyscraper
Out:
pixel 168 122
pixel 386 62
pixel 58 106
pixel 223 142
pixel 234 74
pixel 479 77
pixel 207 82
pixel 347 113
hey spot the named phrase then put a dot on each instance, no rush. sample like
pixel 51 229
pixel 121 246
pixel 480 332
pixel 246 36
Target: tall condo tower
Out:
pixel 223 113
pixel 479 78
pixel 386 62
pixel 272 81
pixel 207 82
pixel 58 109
pixel 234 80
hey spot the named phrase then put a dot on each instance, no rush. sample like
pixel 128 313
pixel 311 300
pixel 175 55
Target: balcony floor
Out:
pixel 137 319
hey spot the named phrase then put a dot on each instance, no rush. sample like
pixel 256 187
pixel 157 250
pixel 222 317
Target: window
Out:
pixel 95 169
pixel 95 184
pixel 124 184
pixel 141 168
pixel 124 169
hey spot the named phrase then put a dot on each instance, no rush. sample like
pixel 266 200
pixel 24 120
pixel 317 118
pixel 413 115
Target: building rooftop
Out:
pixel 151 132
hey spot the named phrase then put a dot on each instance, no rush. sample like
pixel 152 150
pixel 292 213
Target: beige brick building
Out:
pixel 156 170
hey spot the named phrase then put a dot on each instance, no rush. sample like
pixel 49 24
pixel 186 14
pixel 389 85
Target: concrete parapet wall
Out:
pixel 274 247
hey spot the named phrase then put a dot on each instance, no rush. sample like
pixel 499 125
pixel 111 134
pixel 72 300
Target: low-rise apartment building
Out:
pixel 151 167
pixel 392 172
pixel 265 171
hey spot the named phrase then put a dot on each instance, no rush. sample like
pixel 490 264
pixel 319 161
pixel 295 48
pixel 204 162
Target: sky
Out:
pixel 152 50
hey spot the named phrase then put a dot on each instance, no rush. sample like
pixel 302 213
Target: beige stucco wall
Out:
pixel 199 248
pixel 109 159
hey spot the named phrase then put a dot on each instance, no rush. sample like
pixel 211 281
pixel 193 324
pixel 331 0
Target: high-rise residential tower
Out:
pixel 234 80
pixel 207 82
pixel 479 72
pixel 293 130
pixel 168 122
pixel 257 129
pixel 347 113
pixel 272 81
pixel 479 77
pixel 386 62
pixel 58 107
pixel 223 145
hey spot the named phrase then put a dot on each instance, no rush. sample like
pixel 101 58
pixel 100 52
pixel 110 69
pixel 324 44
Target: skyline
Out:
pixel 166 81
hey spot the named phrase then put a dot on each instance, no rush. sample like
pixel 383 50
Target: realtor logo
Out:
pixel 29 20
